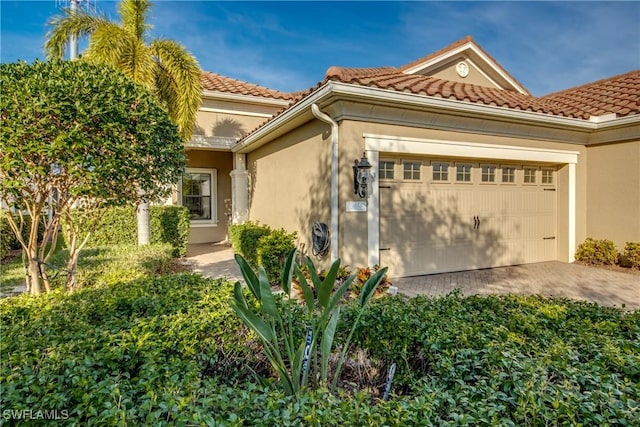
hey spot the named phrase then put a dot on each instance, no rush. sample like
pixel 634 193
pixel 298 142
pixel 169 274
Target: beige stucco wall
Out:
pixel 226 125
pixel 613 192
pixel 448 72
pixel 222 162
pixel 289 181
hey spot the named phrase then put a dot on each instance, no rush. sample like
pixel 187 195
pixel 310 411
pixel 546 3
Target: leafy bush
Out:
pixel 597 252
pixel 141 353
pixel 632 252
pixel 244 240
pixel 118 225
pixel 272 251
pixel 169 350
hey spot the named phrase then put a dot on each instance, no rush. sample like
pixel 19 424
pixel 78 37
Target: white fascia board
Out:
pixel 459 106
pixel 459 50
pixel 297 109
pixel 387 96
pixel 232 111
pixel 437 59
pixel 621 121
pixel 245 98
pixel 440 147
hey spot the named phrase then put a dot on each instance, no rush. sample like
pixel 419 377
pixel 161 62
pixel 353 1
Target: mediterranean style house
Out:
pixel 469 170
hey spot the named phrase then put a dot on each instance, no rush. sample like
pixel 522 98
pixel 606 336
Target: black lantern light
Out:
pixel 362 176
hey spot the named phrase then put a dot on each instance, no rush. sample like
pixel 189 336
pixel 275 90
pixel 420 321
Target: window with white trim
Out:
pixel 508 174
pixel 529 175
pixel 488 173
pixel 547 176
pixel 411 170
pixel 440 171
pixel 387 169
pixel 463 173
pixel 198 194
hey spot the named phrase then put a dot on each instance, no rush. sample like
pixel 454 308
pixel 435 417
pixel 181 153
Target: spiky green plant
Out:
pixel 286 351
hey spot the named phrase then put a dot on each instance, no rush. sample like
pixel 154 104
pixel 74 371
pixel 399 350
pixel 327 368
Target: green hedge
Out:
pixel 272 250
pixel 244 240
pixel 632 253
pixel 597 252
pixel 168 224
pixel 259 245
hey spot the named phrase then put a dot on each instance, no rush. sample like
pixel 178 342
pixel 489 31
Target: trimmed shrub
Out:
pixel 272 251
pixel 597 252
pixel 118 225
pixel 170 224
pixel 632 252
pixel 244 240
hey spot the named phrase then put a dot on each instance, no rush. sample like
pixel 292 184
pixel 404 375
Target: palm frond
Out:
pixel 78 24
pixel 178 83
pixel 134 15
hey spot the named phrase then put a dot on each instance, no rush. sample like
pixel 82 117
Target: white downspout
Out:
pixel 334 177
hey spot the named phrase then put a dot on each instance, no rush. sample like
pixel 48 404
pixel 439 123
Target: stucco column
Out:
pixel 239 191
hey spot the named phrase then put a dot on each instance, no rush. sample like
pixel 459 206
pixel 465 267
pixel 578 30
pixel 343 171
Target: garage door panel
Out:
pixel 432 227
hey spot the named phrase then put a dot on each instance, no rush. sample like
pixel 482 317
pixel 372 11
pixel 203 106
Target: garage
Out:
pixel 450 214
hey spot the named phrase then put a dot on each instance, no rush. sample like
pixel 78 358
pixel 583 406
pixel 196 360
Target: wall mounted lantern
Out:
pixel 362 176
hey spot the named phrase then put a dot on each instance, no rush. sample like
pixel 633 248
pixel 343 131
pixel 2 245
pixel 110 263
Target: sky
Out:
pixel 547 46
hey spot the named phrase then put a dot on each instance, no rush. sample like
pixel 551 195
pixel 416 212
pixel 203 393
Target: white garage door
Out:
pixel 444 215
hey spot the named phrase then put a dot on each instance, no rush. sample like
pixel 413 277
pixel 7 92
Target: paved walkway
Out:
pixel 554 278
pixel 213 260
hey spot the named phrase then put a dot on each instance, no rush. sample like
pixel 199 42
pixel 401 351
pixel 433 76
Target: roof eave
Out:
pixel 251 99
pixel 283 122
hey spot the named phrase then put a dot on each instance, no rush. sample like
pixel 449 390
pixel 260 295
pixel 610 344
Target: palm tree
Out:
pixel 164 66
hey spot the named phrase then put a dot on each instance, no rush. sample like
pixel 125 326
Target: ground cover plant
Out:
pixel 169 350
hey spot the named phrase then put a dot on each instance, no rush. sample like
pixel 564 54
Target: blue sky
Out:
pixel 547 46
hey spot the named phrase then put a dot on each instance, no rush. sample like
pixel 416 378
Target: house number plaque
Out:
pixel 356 206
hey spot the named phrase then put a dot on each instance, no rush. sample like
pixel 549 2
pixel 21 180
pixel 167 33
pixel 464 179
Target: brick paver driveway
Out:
pixel 559 279
pixel 547 278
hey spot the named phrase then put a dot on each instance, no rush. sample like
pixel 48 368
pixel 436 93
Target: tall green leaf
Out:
pixel 267 300
pixel 264 331
pixel 306 291
pixel 250 277
pixel 327 343
pixel 287 273
pixel 370 286
pixel 326 286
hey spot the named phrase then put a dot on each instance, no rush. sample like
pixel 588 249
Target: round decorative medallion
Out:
pixel 463 69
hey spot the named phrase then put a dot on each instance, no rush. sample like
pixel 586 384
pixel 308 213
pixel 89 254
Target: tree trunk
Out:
pixel 143 223
pixel 33 274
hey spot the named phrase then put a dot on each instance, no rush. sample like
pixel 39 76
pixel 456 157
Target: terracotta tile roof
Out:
pixel 438 88
pixel 618 94
pixel 219 83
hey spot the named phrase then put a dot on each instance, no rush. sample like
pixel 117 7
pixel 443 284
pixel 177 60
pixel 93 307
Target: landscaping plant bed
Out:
pixel 170 351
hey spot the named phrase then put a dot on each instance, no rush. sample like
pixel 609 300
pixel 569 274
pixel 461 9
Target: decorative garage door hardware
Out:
pixel 476 222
